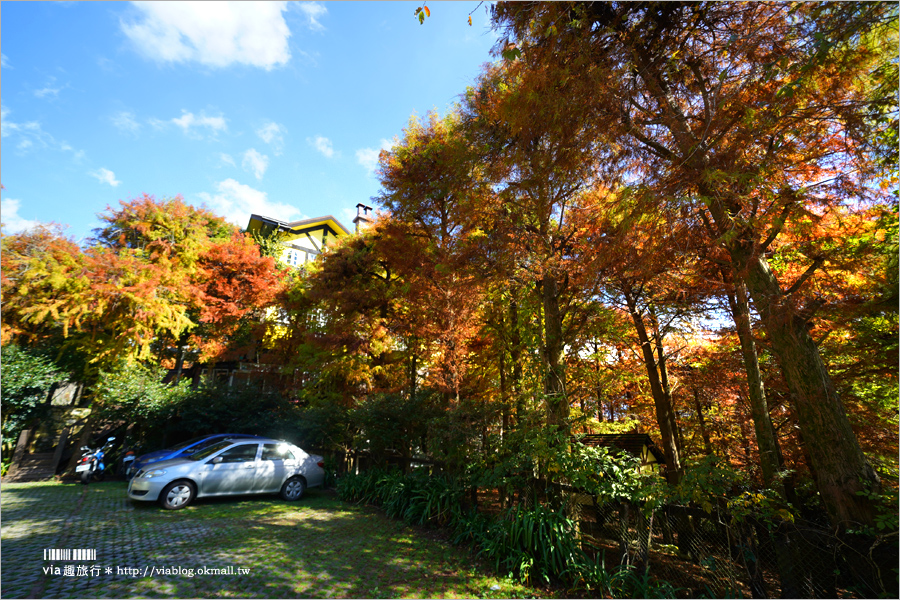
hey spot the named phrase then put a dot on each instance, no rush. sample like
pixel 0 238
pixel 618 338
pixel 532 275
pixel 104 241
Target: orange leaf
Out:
pixel 427 11
pixel 470 20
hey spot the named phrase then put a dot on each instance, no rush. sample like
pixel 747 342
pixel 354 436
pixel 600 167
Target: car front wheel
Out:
pixel 176 495
pixel 293 488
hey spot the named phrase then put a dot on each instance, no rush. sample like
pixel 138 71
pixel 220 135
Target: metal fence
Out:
pixel 714 555
pixel 709 554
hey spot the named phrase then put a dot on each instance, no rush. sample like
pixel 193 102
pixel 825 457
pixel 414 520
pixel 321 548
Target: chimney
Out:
pixel 362 215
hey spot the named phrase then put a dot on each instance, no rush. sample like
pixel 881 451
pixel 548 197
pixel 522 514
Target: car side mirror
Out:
pixel 216 460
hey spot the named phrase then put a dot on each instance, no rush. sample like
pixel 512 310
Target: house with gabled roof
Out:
pixel 304 240
pixel 639 445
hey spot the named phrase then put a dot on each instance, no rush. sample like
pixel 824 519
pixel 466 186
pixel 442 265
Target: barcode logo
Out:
pixel 70 554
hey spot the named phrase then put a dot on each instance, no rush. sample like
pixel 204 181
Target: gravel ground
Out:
pixel 246 547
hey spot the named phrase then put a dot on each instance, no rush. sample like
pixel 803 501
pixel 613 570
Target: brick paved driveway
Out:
pixel 258 547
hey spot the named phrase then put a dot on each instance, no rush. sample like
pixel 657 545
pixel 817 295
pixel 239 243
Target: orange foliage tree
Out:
pixel 744 111
pixel 159 273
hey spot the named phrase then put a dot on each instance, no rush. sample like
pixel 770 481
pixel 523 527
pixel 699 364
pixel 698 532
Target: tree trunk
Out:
pixel 665 416
pixel 515 354
pixel 707 444
pixel 554 351
pixel 745 435
pixel 664 373
pixel 598 391
pixel 179 363
pixel 759 410
pixel 841 467
pixel 504 395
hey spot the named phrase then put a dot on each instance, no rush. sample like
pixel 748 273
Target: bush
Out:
pixel 532 545
pixel 135 393
pixel 416 498
pixel 219 408
pixel 27 378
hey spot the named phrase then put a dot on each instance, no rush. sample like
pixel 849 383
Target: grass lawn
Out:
pixel 318 547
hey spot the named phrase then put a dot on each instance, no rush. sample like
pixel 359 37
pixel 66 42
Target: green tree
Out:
pixel 28 378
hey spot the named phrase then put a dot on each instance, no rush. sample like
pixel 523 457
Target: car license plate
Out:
pixel 81 468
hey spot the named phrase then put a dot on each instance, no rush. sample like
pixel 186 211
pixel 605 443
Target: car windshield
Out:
pixel 210 450
pixel 206 444
pixel 188 443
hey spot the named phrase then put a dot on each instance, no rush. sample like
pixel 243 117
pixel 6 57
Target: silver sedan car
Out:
pixel 231 466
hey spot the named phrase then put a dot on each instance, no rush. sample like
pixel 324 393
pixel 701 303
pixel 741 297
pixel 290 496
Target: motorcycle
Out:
pixel 91 463
pixel 126 468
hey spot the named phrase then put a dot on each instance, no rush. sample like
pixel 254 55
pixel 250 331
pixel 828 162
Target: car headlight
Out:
pixel 153 473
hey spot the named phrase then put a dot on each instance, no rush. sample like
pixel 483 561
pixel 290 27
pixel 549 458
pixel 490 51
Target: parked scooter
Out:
pixel 127 468
pixel 92 464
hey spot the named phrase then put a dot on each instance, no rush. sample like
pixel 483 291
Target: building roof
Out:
pixel 305 225
pixel 633 443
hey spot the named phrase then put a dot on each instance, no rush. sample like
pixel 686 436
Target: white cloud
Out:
pixel 368 157
pixel 323 145
pixel 226 158
pixel 4 61
pixel 236 202
pixel 49 89
pixel 189 122
pixel 12 222
pixel 216 34
pixel 255 162
pixel 105 176
pixel 273 134
pixel 28 129
pixel 30 135
pixel 313 11
pixel 125 122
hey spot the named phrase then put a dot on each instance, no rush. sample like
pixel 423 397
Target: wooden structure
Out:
pixel 636 444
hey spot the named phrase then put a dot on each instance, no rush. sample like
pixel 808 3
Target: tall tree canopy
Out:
pixel 753 115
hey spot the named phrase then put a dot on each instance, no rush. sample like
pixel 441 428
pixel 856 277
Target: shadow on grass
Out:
pixel 316 547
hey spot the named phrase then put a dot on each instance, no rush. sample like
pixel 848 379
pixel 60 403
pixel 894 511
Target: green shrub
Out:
pixel 415 498
pixel 27 378
pixel 532 545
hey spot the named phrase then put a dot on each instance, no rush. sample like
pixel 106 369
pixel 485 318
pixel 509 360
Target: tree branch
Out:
pixel 806 275
pixel 776 227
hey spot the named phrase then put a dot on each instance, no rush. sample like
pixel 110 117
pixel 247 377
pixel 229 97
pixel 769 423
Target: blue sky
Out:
pixel 270 108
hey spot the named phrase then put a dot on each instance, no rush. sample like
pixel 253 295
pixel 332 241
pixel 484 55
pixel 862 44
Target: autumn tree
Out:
pixel 235 284
pixel 534 155
pixel 752 114
pixel 104 305
pixel 643 259
pixel 152 275
pixel 40 267
pixel 208 272
pixel 436 196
